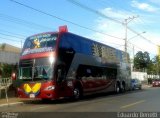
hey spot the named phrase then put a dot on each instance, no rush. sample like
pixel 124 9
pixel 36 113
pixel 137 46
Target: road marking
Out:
pixel 34 109
pixel 11 104
pixel 132 104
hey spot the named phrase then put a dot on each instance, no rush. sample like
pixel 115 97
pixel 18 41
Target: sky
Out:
pixel 100 20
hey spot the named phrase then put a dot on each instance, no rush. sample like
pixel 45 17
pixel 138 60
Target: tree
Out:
pixel 141 60
pixel 156 63
pixel 151 68
pixel 6 70
pixel 2 46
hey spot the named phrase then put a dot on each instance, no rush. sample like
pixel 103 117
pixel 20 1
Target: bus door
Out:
pixel 63 90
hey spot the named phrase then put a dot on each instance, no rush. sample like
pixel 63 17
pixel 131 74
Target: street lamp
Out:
pixel 136 35
pixel 126 21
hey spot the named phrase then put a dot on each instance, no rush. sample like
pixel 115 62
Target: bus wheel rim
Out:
pixel 118 89
pixel 76 93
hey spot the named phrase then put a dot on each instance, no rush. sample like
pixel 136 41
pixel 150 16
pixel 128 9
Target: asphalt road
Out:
pixel 145 100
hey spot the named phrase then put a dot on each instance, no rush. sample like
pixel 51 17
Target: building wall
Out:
pixel 9 54
pixel 9 57
pixel 139 75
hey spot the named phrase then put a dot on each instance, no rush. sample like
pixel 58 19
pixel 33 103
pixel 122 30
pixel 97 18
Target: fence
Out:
pixel 4 85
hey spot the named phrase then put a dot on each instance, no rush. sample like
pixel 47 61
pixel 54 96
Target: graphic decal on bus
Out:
pixel 37 50
pixel 39 43
pixel 34 89
pixel 108 54
pixel 36 43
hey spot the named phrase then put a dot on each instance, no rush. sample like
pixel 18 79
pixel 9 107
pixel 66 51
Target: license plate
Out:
pixel 32 96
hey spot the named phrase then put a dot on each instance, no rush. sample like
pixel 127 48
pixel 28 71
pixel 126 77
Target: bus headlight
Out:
pixel 50 88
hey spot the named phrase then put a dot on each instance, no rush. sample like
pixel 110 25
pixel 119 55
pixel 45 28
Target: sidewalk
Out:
pixel 146 86
pixel 11 101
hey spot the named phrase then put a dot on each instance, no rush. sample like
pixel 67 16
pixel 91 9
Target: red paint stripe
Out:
pixel 38 55
pixel 100 88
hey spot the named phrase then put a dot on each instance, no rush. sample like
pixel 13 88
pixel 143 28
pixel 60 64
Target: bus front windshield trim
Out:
pixel 39 43
pixel 36 69
pixel 36 73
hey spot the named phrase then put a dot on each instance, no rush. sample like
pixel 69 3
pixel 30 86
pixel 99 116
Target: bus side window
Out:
pixel 114 73
pixel 88 72
pixel 79 72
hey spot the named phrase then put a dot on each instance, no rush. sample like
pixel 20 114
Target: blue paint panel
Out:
pixel 82 45
pixel 79 44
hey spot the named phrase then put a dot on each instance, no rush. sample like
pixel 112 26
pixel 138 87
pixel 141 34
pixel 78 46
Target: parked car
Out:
pixel 156 83
pixel 136 84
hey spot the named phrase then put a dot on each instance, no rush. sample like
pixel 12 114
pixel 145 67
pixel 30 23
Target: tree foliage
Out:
pixel 141 60
pixel 155 66
pixel 6 70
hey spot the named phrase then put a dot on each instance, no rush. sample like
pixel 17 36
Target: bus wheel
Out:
pixel 123 89
pixel 77 93
pixel 117 88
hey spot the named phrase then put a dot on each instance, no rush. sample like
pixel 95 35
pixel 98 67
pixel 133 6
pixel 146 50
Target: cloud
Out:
pixel 116 14
pixel 157 2
pixel 144 6
pixel 109 27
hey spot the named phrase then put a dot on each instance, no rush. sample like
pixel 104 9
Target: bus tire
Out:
pixel 77 93
pixel 117 88
pixel 123 89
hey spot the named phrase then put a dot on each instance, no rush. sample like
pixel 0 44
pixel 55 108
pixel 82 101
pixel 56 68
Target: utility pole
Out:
pixel 21 44
pixel 133 58
pixel 126 21
pixel 133 51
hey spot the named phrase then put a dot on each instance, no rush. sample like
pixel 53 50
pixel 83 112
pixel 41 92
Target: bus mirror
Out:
pixel 13 76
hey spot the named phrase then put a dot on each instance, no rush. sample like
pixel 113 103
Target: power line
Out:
pixel 139 48
pixel 23 22
pixel 24 30
pixel 142 36
pixel 10 39
pixel 92 10
pixel 73 23
pixel 11 35
pixel 102 15
pixel 105 42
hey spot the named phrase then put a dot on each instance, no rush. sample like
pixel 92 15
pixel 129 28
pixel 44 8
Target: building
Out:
pixel 9 54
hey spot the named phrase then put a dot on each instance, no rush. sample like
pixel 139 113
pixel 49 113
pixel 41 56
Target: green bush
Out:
pixel 6 70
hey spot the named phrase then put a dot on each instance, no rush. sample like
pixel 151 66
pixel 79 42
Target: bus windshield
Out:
pixel 35 69
pixel 39 43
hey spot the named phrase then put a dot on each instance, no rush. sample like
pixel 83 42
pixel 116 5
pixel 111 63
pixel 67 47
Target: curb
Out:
pixel 11 104
pixel 146 86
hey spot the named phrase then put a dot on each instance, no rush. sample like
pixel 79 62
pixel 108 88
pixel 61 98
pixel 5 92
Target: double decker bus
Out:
pixel 61 64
